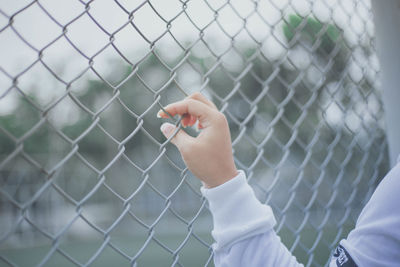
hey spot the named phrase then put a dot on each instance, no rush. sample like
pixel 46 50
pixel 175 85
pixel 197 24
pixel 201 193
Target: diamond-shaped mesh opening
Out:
pixel 161 71
pixel 110 55
pixel 86 44
pixel 19 124
pixel 86 176
pixel 75 189
pixel 53 145
pixel 213 32
pixel 199 14
pixel 59 51
pixel 20 52
pixel 123 185
pixel 27 30
pixel 142 16
pixel 103 207
pixel 21 179
pixel 95 154
pixel 183 31
pixel 62 218
pixel 12 249
pixel 73 243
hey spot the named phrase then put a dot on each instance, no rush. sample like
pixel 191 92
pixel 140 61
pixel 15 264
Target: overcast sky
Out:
pixel 35 26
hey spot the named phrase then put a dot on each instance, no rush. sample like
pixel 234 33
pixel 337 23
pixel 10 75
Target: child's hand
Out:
pixel 209 155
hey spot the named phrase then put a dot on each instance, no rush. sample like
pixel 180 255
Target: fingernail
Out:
pixel 159 114
pixel 167 129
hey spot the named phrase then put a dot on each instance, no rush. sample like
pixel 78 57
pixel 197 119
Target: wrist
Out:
pixel 221 179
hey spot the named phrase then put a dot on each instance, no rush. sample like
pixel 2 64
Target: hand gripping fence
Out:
pixel 86 177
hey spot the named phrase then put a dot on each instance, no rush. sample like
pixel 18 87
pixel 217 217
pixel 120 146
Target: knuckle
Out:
pixel 189 101
pixel 220 117
pixel 196 95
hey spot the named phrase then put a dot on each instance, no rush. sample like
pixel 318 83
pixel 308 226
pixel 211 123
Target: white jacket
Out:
pixel 244 235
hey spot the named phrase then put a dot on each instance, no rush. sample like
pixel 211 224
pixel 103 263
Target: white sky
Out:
pixel 38 29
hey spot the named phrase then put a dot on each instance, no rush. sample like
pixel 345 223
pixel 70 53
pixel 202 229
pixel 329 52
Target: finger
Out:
pixel 192 120
pixel 187 106
pixel 185 120
pixel 200 97
pixel 188 120
pixel 180 139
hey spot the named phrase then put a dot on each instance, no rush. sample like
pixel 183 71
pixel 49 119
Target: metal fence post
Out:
pixel 387 24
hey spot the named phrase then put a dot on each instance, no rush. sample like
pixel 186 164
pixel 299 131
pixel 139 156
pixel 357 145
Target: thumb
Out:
pixel 180 139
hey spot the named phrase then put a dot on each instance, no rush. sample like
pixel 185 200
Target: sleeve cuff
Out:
pixel 237 213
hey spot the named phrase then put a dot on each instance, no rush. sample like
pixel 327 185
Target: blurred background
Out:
pixel 86 177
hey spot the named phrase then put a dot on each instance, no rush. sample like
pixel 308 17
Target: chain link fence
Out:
pixel 86 177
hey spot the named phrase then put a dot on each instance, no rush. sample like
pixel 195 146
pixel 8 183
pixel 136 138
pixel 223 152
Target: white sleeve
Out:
pixel 244 235
pixel 243 227
pixel 375 241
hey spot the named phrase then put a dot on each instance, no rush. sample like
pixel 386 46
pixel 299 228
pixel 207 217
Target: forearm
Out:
pixel 243 228
pixel 260 250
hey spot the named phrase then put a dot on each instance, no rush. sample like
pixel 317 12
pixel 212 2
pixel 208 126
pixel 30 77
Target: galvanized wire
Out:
pixel 300 96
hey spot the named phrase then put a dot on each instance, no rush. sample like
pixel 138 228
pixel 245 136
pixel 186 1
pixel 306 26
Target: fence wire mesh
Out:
pixel 86 177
